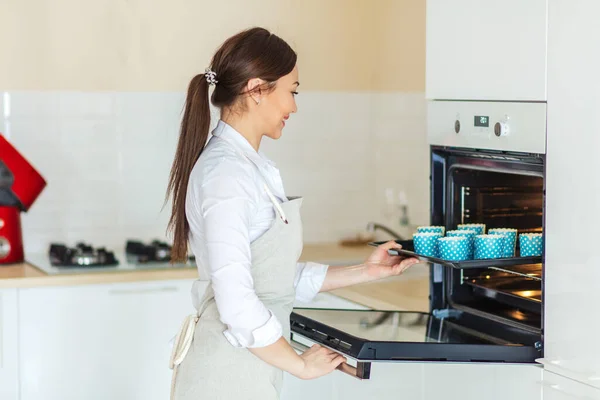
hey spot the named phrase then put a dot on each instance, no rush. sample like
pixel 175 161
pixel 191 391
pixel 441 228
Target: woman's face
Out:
pixel 276 106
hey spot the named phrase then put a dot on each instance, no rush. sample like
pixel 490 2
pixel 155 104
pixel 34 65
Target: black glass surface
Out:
pixel 396 335
pixel 391 326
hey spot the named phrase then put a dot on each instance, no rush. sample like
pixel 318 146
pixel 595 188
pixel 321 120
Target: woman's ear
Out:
pixel 254 89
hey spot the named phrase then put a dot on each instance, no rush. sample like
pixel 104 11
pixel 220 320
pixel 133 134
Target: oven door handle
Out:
pixel 361 371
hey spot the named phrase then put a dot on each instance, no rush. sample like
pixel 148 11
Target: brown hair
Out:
pixel 253 53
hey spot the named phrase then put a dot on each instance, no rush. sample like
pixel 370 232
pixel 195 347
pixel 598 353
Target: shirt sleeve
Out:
pixel 309 280
pixel 229 200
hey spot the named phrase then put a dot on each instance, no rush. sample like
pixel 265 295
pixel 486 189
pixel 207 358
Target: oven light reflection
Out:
pixel 518 315
pixel 527 293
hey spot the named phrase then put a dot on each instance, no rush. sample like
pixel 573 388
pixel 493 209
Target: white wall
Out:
pixel 106 157
pixel 92 96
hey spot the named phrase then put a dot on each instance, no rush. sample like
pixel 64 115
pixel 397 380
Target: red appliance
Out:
pixel 20 185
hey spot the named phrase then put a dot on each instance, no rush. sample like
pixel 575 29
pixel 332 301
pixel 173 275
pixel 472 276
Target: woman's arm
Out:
pixel 226 205
pixel 379 265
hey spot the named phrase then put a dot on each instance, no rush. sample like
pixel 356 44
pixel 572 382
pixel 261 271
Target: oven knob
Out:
pixel 457 126
pixel 501 129
pixel 4 247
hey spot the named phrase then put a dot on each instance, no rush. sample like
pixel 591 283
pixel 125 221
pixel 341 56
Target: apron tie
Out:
pixel 185 337
pixel 183 340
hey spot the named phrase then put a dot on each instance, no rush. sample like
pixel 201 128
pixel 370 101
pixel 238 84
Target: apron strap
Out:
pixel 276 204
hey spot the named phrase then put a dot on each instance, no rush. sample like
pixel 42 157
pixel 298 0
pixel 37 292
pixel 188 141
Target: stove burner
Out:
pixel 82 255
pixel 156 251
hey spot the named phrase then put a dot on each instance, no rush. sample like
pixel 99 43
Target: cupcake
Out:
pixel 489 246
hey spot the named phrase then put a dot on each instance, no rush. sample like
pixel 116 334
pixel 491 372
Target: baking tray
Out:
pixel 521 293
pixel 408 251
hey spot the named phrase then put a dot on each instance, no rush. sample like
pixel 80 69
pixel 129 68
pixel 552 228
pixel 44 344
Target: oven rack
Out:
pixel 496 263
pixel 522 292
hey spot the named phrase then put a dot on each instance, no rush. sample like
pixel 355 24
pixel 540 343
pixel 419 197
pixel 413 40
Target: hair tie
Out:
pixel 211 76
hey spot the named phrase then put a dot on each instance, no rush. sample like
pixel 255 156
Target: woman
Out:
pixel 229 203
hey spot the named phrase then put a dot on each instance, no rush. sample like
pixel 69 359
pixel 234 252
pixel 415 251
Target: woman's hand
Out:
pixel 381 265
pixel 319 361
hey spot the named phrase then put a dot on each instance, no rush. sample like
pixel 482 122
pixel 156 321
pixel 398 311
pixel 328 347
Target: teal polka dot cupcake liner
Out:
pixel 510 240
pixel 453 248
pixel 478 228
pixel 470 236
pixel 489 246
pixel 426 243
pixel 531 244
pixel 432 229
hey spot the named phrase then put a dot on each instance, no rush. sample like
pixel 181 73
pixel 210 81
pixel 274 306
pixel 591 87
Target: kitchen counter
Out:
pixel 28 275
pixel 407 292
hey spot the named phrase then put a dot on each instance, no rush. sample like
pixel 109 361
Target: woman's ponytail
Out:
pixel 192 139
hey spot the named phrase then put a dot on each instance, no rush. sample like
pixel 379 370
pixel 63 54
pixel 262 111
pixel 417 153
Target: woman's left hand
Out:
pixel 380 264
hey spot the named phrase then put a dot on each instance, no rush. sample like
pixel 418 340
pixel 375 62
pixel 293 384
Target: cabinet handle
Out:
pixel 361 371
pixel 142 290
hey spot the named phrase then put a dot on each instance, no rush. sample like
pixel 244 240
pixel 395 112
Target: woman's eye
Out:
pixel 295 93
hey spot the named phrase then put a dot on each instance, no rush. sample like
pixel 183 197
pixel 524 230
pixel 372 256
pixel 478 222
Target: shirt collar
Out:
pixel 230 135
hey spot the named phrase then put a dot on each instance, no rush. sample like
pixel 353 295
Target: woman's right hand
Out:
pixel 319 361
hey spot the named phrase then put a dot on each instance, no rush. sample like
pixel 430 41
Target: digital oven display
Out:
pixel 482 121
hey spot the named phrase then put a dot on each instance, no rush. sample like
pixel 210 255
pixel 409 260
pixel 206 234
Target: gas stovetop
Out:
pixel 82 255
pixel 85 258
pixel 155 251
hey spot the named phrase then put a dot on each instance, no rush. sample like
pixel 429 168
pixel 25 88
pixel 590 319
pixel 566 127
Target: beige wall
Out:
pixel 399 26
pixel 123 45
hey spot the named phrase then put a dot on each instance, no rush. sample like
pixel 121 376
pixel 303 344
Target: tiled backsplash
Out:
pixel 107 156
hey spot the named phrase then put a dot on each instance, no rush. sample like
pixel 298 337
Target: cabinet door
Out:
pixel 433 380
pixel 9 378
pixel 573 192
pixel 100 341
pixel 486 49
pixel 556 387
pixel 315 389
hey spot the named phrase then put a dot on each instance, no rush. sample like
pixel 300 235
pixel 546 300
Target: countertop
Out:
pixel 406 292
pixel 40 273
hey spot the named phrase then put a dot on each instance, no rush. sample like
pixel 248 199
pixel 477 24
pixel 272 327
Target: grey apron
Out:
pixel 205 364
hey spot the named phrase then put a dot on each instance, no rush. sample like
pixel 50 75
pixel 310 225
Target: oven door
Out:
pixel 365 336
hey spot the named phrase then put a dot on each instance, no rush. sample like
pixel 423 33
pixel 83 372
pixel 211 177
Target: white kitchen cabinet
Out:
pixel 424 381
pixel 100 341
pixel 556 387
pixel 433 380
pixel 388 381
pixel 314 389
pixel 9 336
pixel 486 50
pixel 572 273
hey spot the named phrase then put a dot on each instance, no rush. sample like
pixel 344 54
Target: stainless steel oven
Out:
pixel 487 166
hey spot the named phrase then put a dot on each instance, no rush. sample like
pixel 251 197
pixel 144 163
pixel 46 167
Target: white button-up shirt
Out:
pixel 227 209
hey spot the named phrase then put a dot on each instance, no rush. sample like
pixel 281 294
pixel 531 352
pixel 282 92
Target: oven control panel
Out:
pixel 516 127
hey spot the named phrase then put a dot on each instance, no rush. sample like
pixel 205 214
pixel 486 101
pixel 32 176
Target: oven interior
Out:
pixel 499 190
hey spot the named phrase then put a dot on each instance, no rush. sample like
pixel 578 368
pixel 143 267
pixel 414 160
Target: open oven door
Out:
pixel 365 336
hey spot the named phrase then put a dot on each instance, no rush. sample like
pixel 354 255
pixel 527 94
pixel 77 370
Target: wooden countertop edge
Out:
pixel 99 278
